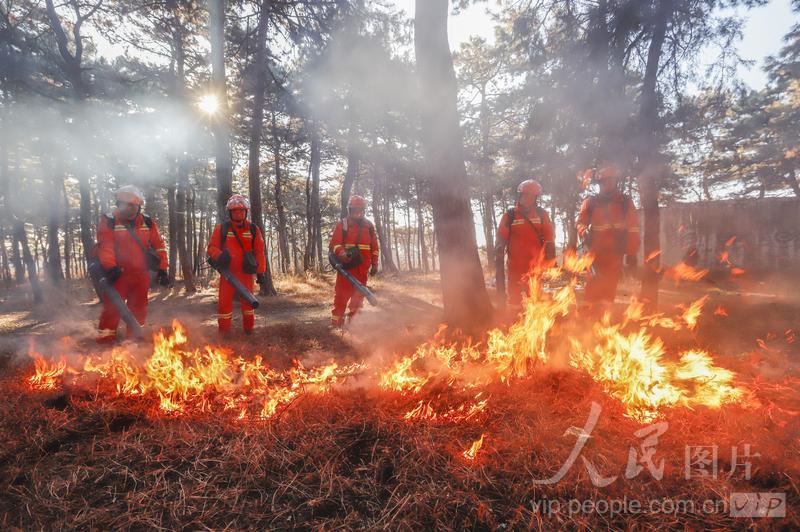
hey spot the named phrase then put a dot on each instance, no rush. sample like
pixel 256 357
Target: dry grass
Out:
pixel 347 459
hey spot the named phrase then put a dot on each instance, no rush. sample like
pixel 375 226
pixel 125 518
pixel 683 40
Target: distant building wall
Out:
pixel 767 233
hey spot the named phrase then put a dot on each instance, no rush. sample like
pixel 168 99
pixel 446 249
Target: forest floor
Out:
pixel 348 457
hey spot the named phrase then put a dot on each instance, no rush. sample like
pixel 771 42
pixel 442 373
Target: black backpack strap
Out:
pixel 136 237
pixel 223 235
pixel 238 239
pixel 539 212
pixel 148 221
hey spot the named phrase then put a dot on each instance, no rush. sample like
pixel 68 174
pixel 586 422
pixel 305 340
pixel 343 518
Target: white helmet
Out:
pixel 130 194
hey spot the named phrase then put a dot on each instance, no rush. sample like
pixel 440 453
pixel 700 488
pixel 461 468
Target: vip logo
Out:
pixel 758 504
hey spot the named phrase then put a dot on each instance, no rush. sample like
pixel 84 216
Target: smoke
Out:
pixel 137 140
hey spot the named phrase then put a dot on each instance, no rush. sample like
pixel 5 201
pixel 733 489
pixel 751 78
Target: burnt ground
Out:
pixel 347 458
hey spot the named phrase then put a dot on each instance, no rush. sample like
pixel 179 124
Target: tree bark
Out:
pixel 387 264
pixel 283 241
pixel 313 250
pixel 349 178
pixel 222 144
pixel 466 302
pixel 21 237
pixel 172 219
pixel 180 227
pixel 423 246
pixel 650 163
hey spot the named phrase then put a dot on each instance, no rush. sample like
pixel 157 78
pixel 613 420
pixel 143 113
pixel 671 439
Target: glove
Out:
pixel 163 277
pixel 261 279
pixel 373 270
pixel 344 257
pixel 224 260
pixel 112 274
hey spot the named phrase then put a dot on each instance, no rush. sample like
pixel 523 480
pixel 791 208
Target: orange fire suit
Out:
pixel 348 233
pixel 526 236
pixel 253 243
pixel 117 248
pixel 611 227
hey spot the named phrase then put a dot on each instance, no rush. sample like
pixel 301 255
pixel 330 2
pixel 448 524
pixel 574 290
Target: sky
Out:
pixel 764 29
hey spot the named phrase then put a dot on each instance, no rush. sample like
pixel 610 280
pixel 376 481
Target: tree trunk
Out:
pixel 222 144
pixel 316 211
pixel 387 264
pixel 22 238
pixel 180 227
pixel 283 241
pixel 349 178
pixel 407 234
pixel 172 219
pixel 423 246
pixel 313 217
pixel 67 232
pixel 651 166
pixel 466 302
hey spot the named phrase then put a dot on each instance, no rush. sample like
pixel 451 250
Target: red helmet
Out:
pixel 237 201
pixel 356 202
pixel 130 194
pixel 608 171
pixel 530 186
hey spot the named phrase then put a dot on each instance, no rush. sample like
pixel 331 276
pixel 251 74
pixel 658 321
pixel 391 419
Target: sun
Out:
pixel 208 103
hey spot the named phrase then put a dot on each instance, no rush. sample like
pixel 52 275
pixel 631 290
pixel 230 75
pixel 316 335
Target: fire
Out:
pixel 720 311
pixel 630 365
pixel 575 263
pixel 692 313
pixel 684 272
pixel 627 360
pixel 653 255
pixel 46 374
pixel 207 380
pixel 472 452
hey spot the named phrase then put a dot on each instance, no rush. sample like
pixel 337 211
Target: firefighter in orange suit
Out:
pixel 526 234
pixel 355 244
pixel 128 245
pixel 237 245
pixel 609 227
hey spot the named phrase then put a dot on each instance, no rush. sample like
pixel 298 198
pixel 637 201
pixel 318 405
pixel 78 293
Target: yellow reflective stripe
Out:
pixel 160 249
pixel 634 229
pixel 364 246
pixel 104 333
pixel 248 312
pixel 225 316
pixel 337 246
pixel 376 253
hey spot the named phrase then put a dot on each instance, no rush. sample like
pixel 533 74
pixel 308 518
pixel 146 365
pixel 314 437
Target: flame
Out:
pixel 206 380
pixel 730 241
pixel 575 263
pixel 720 311
pixel 652 255
pixel 631 366
pixel 692 313
pixel 472 452
pixel 737 271
pixel 684 272
pixel 46 374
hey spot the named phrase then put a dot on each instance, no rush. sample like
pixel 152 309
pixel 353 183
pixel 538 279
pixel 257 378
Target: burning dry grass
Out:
pixel 347 458
pixel 454 435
